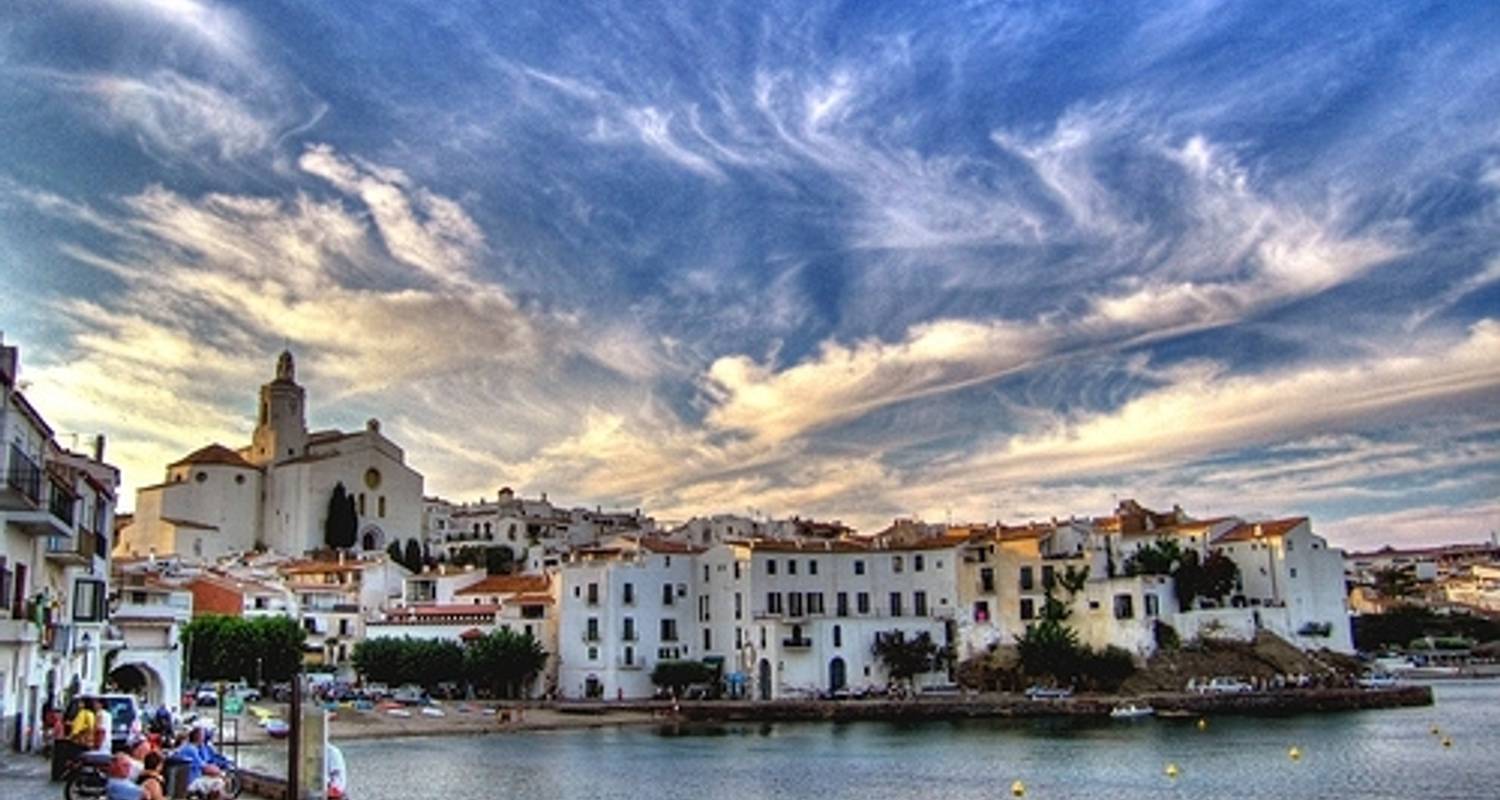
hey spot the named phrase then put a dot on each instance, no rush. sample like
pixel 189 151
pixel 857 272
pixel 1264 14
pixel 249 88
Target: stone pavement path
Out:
pixel 24 777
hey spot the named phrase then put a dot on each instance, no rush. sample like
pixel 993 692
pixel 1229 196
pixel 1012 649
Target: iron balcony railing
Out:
pixel 61 502
pixel 24 475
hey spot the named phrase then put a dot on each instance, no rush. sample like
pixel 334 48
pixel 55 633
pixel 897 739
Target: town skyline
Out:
pixel 922 263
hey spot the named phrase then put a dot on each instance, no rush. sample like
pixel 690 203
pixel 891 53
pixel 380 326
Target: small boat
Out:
pixel 1131 711
pixel 398 712
pixel 429 711
pixel 277 729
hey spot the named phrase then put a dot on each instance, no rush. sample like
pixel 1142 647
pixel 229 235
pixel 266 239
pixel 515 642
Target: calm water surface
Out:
pixel 1368 754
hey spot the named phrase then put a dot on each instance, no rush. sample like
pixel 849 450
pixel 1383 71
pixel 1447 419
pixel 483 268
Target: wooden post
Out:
pixel 293 740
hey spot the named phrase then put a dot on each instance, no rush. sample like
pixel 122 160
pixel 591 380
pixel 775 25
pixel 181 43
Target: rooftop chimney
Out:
pixel 99 448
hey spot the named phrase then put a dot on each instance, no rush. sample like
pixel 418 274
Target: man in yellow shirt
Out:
pixel 82 729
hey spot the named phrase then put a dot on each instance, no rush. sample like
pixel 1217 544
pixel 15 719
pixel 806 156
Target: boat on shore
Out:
pixel 1131 711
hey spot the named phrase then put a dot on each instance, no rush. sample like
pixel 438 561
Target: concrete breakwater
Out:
pixel 960 707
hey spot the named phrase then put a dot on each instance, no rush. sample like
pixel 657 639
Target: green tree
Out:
pixel 222 647
pixel 1396 583
pixel 504 663
pixel 339 528
pixel 678 675
pixel 1050 648
pixel 425 662
pixel 413 560
pixel 393 550
pixel 1160 557
pixel 1218 576
pixel 907 657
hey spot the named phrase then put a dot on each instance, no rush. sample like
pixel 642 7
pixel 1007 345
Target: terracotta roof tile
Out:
pixel 506 584
pixel 1249 531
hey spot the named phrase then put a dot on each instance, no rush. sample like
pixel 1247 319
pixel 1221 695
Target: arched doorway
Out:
pixel 372 539
pixel 763 679
pixel 138 679
pixel 837 674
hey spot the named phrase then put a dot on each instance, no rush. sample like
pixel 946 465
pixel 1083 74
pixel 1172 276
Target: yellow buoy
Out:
pixel 1294 754
pixel 1018 789
pixel 1171 770
pixel 1202 724
pixel 1447 741
pixel 1434 730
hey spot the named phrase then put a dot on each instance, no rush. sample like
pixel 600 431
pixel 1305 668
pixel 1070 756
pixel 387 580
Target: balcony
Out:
pixel 796 642
pixel 22 488
pixel 630 663
pixel 54 520
pixel 77 550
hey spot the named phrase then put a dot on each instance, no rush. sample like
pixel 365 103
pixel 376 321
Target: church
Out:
pixel 274 493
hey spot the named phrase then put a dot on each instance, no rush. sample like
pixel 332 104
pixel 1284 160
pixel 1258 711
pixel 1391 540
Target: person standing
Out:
pixel 104 730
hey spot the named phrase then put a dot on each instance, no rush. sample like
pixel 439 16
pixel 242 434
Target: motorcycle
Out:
pixel 86 777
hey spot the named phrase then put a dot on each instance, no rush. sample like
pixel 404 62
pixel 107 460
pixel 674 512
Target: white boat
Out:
pixel 1131 711
pixel 429 711
pixel 398 712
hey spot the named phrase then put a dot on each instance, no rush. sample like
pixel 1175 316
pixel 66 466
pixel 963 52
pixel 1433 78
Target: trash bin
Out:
pixel 176 771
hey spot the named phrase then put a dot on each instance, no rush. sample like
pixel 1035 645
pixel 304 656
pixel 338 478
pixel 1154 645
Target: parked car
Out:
pixel 1048 693
pixel 207 696
pixel 1222 685
pixel 410 695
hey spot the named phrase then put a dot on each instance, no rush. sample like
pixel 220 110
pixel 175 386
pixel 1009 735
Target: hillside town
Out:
pixel 333 529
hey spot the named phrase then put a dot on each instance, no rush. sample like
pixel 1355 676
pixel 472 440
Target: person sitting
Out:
pixel 136 750
pixel 337 782
pixel 203 777
pixel 153 785
pixel 119 786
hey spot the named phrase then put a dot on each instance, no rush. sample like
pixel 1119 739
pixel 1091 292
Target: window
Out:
pixel 591 632
pixel 770 566
pixel 815 602
pixel 919 603
pixel 1294 572
pixel 629 633
pixel 703 615
pixel 981 611
pixel 838 636
pixel 343 627
pixel 736 570
pixel 812 567
pixel 1028 608
pixel 361 504
pixel 705 573
pixel 666 594
pixel 1153 605
pixel 862 602
pixel 739 638
pixel 895 604
pixel 1049 576
pixel 1124 606
pixel 593 654
pixel 629 655
pixel 629 593
pixel 794 603
pixel 762 637
pixel 88 601
pixel 791 566
pixel 917 563
pixel 987 580
pixel 5 587
pixel 1026 579
pixel 201 477
pixel 897 564
pixel 739 606
pixel 708 639
pixel 773 602
pixel 841 604
pixel 859 567
pixel 669 630
pixel 593 594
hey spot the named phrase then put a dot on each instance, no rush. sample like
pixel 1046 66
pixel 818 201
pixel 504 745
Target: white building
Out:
pixel 622 609
pixel 274 492
pixel 1291 582
pixel 56 514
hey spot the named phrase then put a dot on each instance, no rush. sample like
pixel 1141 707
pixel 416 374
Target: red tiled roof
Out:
pixel 506 584
pixel 214 454
pixel 1249 531
pixel 446 610
pixel 656 545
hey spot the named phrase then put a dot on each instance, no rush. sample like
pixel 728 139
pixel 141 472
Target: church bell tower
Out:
pixel 281 426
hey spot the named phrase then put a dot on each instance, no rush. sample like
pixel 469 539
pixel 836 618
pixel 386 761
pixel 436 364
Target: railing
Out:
pixel 86 545
pixel 792 641
pixel 24 475
pixel 61 502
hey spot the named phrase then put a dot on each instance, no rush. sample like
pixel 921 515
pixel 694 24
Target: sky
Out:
pixel 960 261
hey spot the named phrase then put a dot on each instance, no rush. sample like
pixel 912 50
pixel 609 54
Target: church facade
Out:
pixel 274 493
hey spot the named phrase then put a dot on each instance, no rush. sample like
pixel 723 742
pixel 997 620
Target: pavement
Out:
pixel 23 776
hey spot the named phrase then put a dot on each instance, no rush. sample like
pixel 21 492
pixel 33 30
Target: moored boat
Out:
pixel 1131 711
